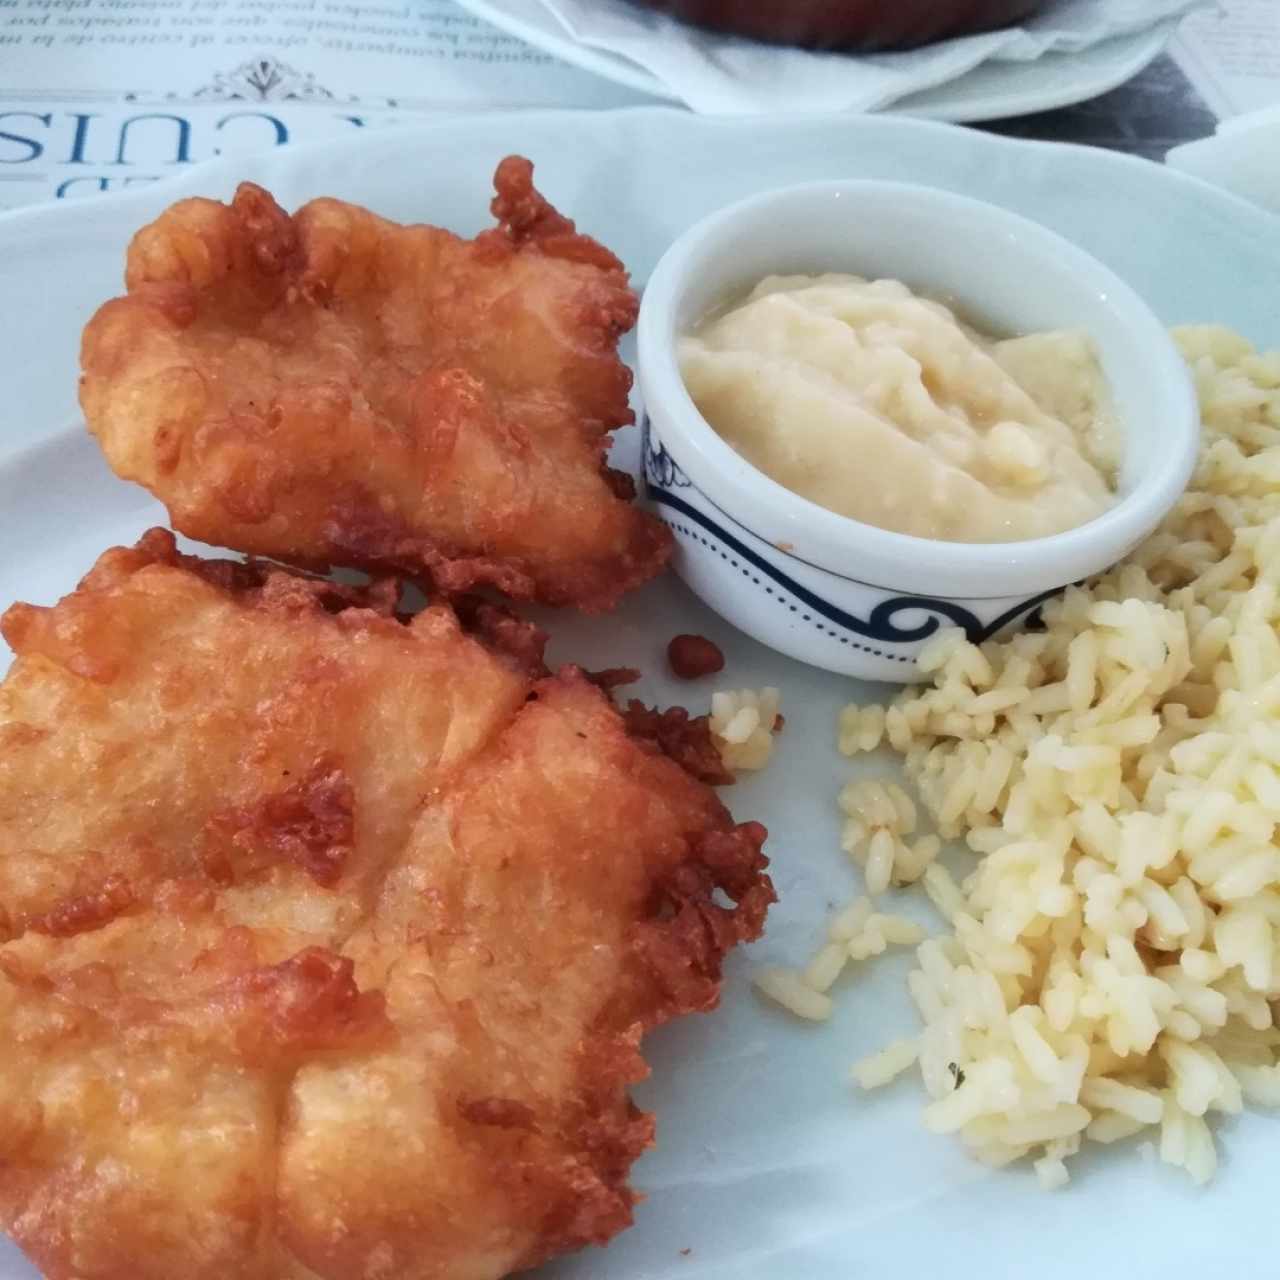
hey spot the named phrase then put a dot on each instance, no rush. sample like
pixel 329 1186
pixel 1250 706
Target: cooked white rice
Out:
pixel 857 932
pixel 1112 957
pixel 879 818
pixel 743 722
pixel 879 1068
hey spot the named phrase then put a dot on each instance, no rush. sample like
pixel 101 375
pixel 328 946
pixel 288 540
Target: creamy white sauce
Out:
pixel 881 405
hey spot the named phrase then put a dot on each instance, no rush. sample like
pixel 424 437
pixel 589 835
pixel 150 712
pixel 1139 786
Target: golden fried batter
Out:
pixel 334 388
pixel 329 938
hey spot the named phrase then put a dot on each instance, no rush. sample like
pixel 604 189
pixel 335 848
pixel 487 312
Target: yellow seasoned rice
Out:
pixel 790 990
pixel 879 1068
pixel 1112 954
pixel 743 722
pixel 879 818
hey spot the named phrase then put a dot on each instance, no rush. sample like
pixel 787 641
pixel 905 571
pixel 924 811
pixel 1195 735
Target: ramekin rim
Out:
pixel 715 467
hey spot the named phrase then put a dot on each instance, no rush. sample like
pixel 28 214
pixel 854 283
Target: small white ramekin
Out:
pixel 838 593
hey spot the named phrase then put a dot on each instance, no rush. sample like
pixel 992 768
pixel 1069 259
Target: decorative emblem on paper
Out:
pixel 264 80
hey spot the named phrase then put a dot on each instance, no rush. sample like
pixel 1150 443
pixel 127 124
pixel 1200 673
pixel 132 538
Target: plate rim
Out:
pixel 207 173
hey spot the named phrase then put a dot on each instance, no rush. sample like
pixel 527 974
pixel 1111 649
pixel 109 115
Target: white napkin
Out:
pixel 725 75
pixel 1243 156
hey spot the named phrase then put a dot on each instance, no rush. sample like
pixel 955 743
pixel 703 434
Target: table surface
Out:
pixel 1156 110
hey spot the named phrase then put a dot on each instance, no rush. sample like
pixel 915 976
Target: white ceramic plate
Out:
pixel 992 91
pixel 769 1165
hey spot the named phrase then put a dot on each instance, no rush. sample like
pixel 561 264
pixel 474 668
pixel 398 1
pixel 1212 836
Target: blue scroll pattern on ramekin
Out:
pixel 813 611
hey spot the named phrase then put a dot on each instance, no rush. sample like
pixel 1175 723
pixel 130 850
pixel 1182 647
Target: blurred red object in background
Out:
pixel 848 24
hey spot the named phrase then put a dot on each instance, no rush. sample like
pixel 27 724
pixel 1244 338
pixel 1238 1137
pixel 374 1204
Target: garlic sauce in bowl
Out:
pixel 975 439
pixel 840 486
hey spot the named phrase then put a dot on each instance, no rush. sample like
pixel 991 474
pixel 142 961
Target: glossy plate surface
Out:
pixel 769 1165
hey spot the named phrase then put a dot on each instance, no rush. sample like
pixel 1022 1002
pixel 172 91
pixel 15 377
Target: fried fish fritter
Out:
pixel 334 388
pixel 328 938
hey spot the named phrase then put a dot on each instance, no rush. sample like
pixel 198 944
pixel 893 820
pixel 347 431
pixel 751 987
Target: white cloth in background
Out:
pixel 724 75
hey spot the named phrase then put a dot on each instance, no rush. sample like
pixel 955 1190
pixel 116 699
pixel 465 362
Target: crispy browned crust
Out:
pixel 505 632
pixel 330 936
pixel 526 218
pixel 680 945
pixel 309 823
pixel 85 911
pixel 685 738
pixel 335 389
